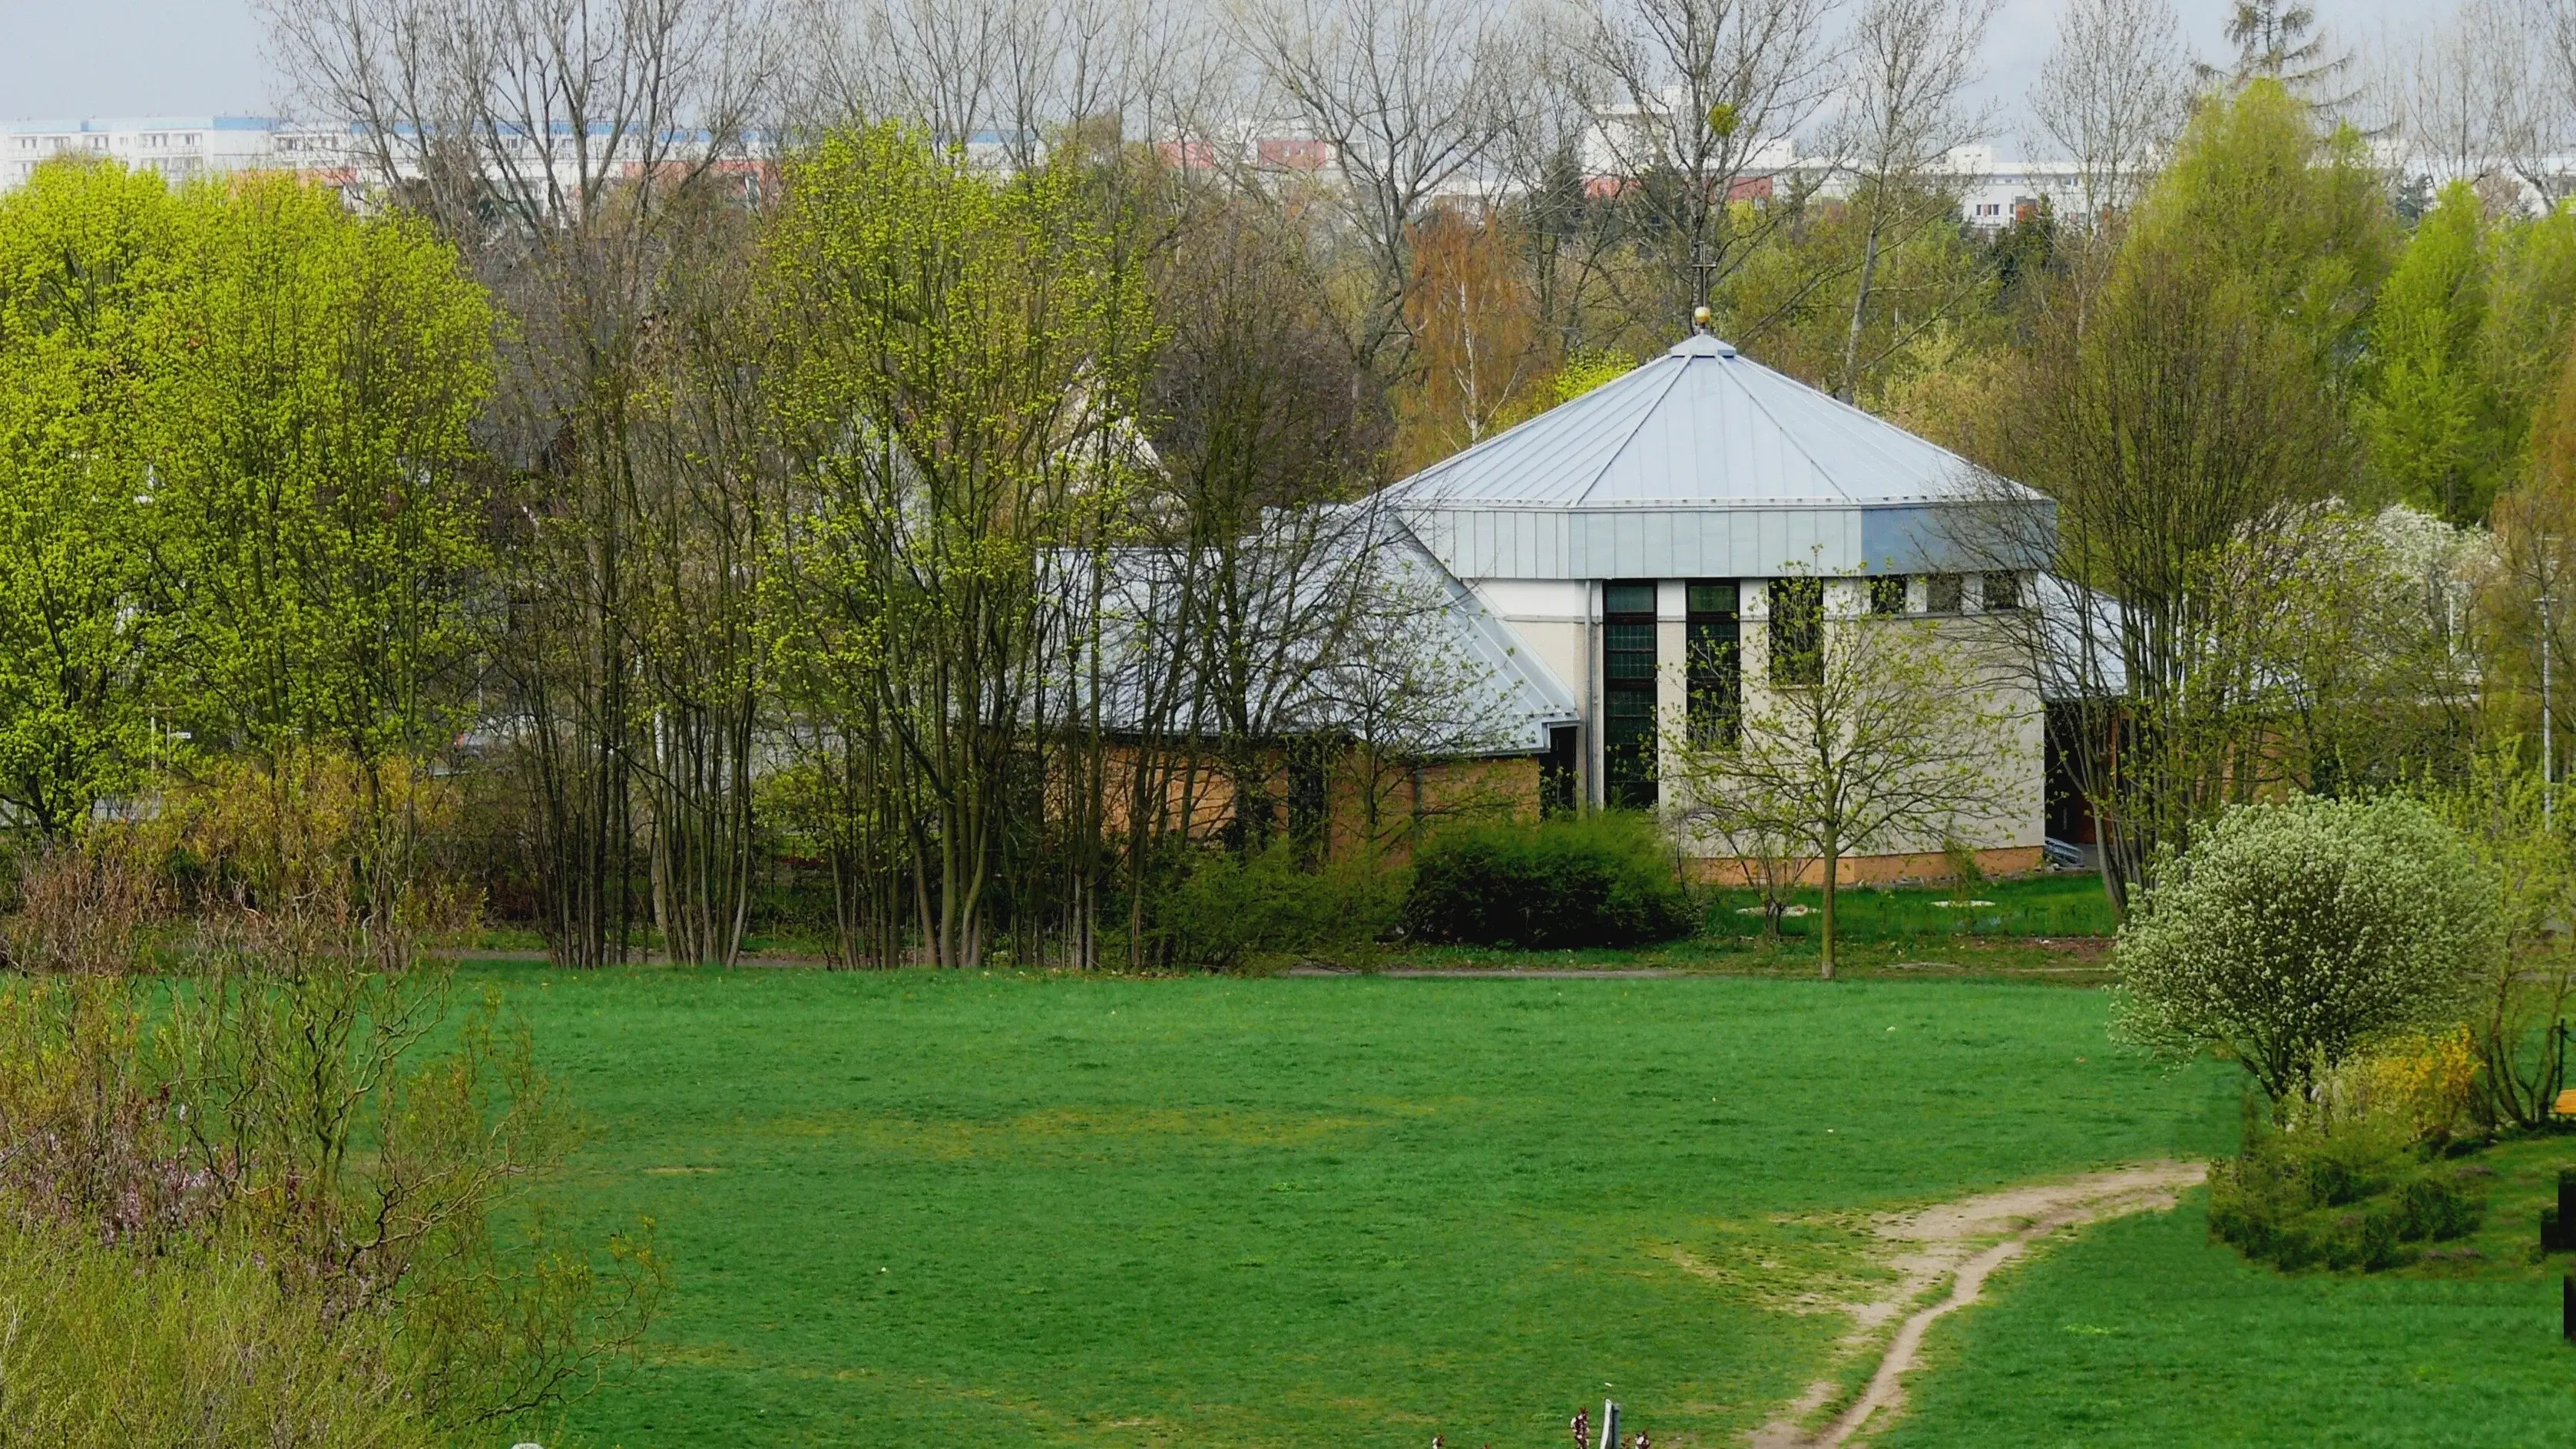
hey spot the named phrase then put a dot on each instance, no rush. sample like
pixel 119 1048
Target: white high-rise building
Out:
pixel 181 148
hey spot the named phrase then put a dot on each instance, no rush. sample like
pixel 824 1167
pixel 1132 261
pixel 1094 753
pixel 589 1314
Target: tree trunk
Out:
pixel 1833 873
pixel 1860 314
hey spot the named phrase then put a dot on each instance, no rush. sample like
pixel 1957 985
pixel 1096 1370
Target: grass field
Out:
pixel 2143 1332
pixel 2070 904
pixel 953 1209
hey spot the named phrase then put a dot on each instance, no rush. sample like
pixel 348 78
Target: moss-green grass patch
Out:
pixel 1003 1210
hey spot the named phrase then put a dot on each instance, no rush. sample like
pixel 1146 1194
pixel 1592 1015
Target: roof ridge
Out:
pixel 1786 432
pixel 1584 494
pixel 1871 437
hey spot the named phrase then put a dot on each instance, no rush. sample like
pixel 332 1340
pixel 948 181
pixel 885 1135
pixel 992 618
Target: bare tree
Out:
pixel 1697 103
pixel 2541 113
pixel 2164 414
pixel 566 145
pixel 1913 62
pixel 528 110
pixel 2112 95
pixel 1406 95
pixel 2465 102
pixel 1543 171
pixel 1015 76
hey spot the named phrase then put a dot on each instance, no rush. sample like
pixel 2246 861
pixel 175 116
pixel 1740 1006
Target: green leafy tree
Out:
pixel 2172 397
pixel 310 392
pixel 2290 934
pixel 961 358
pixel 2292 212
pixel 2530 313
pixel 86 253
pixel 2430 416
pixel 2501 807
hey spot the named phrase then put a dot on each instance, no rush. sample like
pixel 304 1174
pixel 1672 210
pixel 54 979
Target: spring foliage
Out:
pixel 2291 934
pixel 233 496
pixel 107 1350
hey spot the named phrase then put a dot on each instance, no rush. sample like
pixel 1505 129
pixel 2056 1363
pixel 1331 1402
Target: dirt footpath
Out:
pixel 1961 1244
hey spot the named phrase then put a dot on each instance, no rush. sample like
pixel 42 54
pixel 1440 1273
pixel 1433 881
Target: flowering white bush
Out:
pixel 2291 933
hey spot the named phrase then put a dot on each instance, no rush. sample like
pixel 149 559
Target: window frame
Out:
pixel 1797 607
pixel 1629 750
pixel 1713 660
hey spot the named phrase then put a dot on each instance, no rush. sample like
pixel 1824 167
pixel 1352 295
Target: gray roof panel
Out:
pixel 1701 426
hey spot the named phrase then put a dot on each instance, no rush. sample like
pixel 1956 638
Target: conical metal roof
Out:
pixel 1699 461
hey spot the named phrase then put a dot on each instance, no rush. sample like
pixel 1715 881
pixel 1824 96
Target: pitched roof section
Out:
pixel 1702 426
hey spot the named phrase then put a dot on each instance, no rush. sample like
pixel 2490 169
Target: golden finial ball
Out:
pixel 1699 316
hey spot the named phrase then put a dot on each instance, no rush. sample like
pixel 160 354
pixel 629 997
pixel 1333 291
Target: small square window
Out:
pixel 1887 594
pixel 1628 599
pixel 1712 598
pixel 1942 593
pixel 2003 592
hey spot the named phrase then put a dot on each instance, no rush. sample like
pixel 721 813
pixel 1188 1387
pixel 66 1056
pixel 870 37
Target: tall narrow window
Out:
pixel 1797 631
pixel 1556 771
pixel 1716 663
pixel 1628 695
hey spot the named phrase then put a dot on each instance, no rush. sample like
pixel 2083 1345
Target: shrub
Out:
pixel 2420 1082
pixel 1228 908
pixel 108 1348
pixel 2354 1199
pixel 1595 880
pixel 2291 933
pixel 302 1098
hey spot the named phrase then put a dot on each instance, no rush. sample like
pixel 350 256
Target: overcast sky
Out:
pixel 72 58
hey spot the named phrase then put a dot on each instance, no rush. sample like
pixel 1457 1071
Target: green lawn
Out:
pixel 2143 1332
pixel 966 1209
pixel 2068 904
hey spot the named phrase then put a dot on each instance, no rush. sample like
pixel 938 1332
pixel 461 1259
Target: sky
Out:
pixel 62 59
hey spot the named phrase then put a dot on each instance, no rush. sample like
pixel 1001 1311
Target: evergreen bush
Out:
pixel 1604 879
pixel 1230 908
pixel 2355 1199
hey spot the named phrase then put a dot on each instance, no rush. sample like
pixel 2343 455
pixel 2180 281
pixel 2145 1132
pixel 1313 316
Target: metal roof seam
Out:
pixel 1783 429
pixel 1634 429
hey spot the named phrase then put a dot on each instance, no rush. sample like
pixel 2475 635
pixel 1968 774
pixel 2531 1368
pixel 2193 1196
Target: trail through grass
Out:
pixel 2145 1333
